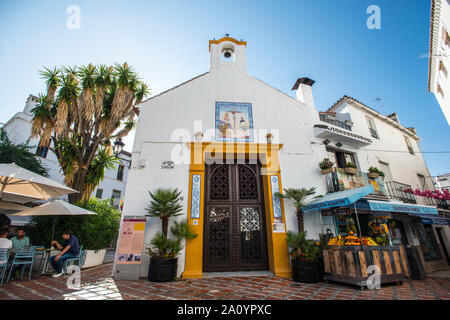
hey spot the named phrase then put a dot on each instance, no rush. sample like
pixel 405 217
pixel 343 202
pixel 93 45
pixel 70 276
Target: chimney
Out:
pixel 31 102
pixel 304 91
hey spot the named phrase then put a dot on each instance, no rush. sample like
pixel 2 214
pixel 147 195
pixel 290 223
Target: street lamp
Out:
pixel 118 147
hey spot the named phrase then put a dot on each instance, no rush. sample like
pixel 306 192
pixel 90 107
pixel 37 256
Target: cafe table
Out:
pixel 46 256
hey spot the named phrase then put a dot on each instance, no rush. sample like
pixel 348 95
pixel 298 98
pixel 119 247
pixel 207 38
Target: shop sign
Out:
pixel 437 221
pixel 392 207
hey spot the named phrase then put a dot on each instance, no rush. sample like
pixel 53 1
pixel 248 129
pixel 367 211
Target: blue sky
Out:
pixel 167 43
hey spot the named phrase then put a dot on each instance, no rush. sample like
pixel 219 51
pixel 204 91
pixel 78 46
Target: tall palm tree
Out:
pixel 300 198
pixel 165 204
pixel 83 110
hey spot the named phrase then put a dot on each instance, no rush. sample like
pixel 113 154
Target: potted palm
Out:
pixel 163 250
pixel 351 168
pixel 305 257
pixel 326 166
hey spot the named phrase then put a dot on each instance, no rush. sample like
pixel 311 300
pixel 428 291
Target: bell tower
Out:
pixel 228 53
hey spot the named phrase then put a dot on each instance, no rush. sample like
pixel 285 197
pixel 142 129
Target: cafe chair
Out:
pixel 23 258
pixel 39 254
pixel 4 257
pixel 78 260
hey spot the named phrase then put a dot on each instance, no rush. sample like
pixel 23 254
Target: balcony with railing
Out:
pixel 340 180
pixel 334 122
pixel 340 131
pixel 396 190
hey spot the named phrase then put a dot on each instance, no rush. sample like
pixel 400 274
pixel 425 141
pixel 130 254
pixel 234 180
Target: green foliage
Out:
pixel 376 170
pixel 164 204
pixel 163 247
pixel 351 165
pixel 94 232
pixel 301 248
pixel 300 197
pixel 325 164
pixel 20 154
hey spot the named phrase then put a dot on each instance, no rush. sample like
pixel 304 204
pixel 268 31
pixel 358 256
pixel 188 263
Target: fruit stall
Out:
pixel 346 259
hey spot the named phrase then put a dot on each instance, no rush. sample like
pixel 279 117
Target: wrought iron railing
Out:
pixel 336 123
pixel 373 133
pixel 395 190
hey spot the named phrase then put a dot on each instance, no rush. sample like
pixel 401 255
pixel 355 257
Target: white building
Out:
pixel 439 59
pixel 442 182
pixel 18 129
pixel 228 177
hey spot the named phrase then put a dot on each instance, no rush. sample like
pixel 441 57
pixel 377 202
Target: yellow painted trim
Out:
pixel 268 154
pixel 242 43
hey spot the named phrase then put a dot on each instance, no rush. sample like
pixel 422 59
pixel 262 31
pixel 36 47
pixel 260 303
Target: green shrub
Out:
pixel 94 232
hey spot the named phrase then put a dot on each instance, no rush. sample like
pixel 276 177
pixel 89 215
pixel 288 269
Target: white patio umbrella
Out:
pixel 18 182
pixel 6 206
pixel 55 208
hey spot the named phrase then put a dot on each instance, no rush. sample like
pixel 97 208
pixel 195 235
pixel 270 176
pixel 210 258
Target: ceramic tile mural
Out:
pixel 234 122
pixel 275 200
pixel 195 196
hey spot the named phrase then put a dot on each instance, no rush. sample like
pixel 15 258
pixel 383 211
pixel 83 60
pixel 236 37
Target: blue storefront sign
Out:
pixel 405 208
pixel 339 199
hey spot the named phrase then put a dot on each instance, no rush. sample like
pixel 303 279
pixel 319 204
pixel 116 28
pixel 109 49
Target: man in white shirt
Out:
pixel 4 242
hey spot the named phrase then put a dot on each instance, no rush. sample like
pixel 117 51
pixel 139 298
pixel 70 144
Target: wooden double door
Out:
pixel 235 228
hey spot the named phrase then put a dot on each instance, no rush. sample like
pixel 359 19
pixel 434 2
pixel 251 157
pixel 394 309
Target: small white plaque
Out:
pixel 279 228
pixel 195 222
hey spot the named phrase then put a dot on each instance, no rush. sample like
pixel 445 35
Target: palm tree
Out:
pixel 164 204
pixel 83 110
pixel 300 198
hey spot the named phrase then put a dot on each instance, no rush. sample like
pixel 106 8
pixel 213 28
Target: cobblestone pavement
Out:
pixel 97 284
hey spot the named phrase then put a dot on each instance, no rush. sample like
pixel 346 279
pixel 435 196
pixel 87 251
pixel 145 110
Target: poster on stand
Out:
pixel 131 241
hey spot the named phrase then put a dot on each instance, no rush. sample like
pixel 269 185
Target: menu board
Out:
pixel 131 241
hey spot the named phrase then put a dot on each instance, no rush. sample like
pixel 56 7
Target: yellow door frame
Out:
pixel 268 155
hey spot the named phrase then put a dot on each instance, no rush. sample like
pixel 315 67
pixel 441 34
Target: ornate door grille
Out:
pixel 235 230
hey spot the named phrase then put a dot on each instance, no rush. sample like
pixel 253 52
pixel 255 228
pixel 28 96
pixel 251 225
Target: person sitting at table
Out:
pixel 20 241
pixel 5 243
pixel 69 250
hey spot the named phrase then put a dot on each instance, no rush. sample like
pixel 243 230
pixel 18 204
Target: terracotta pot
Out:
pixel 373 175
pixel 351 170
pixel 326 171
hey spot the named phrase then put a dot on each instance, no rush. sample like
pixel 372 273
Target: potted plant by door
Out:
pixel 351 168
pixel 163 250
pixel 305 256
pixel 300 198
pixel 326 166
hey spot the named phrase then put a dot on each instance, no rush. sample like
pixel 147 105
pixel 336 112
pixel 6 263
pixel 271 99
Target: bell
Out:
pixel 227 54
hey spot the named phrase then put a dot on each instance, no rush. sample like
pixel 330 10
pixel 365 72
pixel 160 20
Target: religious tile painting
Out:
pixel 276 203
pixel 195 196
pixel 234 122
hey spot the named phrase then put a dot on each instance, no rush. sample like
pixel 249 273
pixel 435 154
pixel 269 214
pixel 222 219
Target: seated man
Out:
pixel 20 241
pixel 69 250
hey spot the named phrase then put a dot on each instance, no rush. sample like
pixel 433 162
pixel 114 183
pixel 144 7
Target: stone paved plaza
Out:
pixel 97 284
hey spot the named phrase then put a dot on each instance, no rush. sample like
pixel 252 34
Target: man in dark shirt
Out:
pixel 69 250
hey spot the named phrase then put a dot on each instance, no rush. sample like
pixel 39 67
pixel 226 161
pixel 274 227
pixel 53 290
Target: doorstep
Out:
pixel 237 274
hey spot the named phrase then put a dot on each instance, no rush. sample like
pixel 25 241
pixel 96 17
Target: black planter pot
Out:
pixel 306 271
pixel 162 270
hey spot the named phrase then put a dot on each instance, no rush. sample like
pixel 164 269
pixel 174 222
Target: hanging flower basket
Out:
pixel 351 170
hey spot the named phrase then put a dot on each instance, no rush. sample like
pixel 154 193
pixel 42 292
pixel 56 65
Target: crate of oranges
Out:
pixel 351 240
